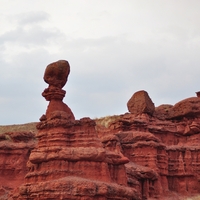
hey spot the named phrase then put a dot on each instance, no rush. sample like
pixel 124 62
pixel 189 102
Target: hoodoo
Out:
pixel 69 161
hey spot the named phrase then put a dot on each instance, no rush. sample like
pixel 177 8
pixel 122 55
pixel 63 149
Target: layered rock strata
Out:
pixel 137 155
pixel 69 161
pixel 15 149
pixel 164 154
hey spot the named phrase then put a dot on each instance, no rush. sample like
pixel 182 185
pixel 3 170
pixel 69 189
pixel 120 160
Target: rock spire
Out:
pixel 70 161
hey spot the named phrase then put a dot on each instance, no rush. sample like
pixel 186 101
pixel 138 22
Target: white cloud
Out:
pixel 30 18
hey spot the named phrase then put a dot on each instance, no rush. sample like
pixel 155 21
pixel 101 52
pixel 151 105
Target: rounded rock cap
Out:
pixel 56 73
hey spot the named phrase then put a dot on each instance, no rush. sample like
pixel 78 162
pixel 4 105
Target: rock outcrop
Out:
pixel 69 161
pixel 148 153
pixel 15 149
pixel 164 154
pixel 189 107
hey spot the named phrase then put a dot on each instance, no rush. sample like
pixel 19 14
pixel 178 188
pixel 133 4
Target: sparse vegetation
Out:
pixel 107 120
pixel 7 137
pixel 19 127
pixel 193 198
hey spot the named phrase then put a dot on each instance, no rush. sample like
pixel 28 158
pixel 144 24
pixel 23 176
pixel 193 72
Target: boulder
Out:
pixel 140 103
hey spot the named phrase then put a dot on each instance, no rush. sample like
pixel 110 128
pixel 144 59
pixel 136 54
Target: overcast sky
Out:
pixel 115 48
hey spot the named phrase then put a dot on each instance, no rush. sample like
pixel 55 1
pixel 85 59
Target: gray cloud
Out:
pixel 151 46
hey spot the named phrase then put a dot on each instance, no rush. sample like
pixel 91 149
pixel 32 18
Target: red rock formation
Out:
pixel 163 111
pixel 14 152
pixel 186 108
pixel 140 102
pixel 144 154
pixel 69 161
pixel 164 154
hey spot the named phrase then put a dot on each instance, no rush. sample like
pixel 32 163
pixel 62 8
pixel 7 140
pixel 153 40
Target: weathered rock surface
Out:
pixel 148 154
pixel 163 111
pixel 164 154
pixel 140 103
pixel 70 161
pixel 189 107
pixel 15 149
pixel 186 108
pixel 56 74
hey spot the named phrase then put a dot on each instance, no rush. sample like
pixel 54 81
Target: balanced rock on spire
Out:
pixel 69 160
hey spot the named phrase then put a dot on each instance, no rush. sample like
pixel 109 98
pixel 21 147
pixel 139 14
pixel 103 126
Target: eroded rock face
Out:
pixel 145 154
pixel 15 149
pixel 189 107
pixel 140 103
pixel 163 111
pixel 164 154
pixel 56 75
pixel 70 161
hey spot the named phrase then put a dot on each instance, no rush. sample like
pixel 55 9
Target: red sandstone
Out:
pixel 149 153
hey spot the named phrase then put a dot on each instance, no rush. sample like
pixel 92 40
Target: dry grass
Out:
pixel 106 121
pixel 193 198
pixel 19 128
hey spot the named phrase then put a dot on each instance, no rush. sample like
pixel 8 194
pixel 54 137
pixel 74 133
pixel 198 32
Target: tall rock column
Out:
pixel 69 161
